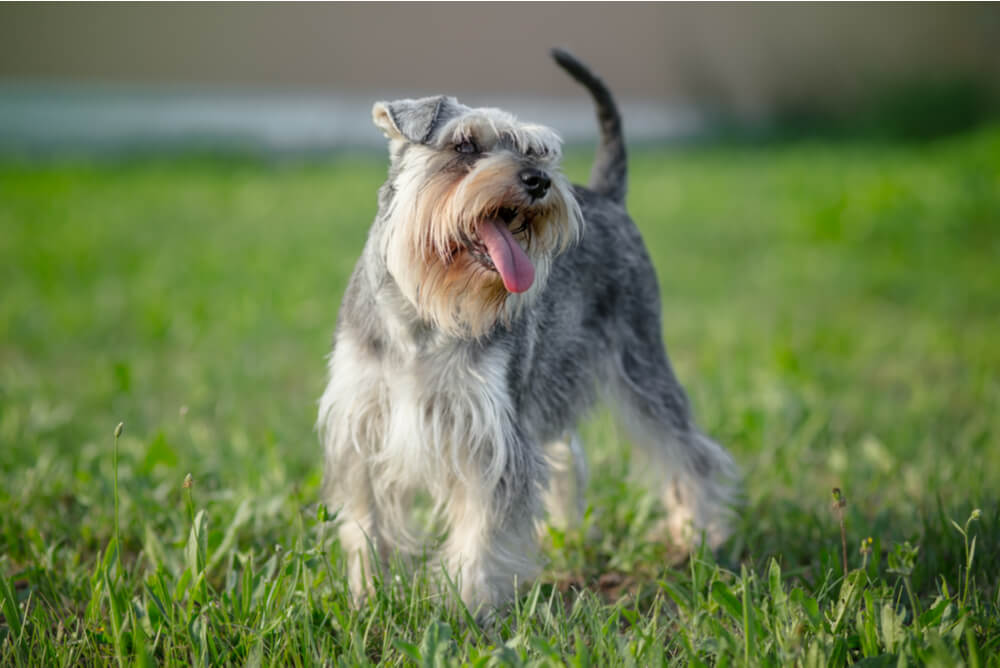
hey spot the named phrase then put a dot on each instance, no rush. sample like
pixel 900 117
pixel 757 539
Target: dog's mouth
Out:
pixel 493 245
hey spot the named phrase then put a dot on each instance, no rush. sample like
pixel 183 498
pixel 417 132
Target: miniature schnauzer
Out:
pixel 492 304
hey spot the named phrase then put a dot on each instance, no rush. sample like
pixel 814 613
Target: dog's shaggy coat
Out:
pixel 462 364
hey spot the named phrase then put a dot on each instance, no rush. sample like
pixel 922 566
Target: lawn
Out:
pixel 832 308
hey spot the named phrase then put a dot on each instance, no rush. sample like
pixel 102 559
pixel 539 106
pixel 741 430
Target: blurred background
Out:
pixel 301 77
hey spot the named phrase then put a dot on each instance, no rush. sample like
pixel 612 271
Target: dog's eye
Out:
pixel 467 146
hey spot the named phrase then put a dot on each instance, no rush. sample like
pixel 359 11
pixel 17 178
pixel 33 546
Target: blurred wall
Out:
pixel 746 57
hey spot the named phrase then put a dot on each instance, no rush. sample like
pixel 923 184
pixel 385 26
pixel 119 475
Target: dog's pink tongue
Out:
pixel 509 258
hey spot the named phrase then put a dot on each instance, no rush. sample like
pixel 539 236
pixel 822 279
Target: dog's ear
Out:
pixel 414 120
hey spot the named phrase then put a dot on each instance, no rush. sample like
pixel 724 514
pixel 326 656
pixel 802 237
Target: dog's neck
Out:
pixel 394 318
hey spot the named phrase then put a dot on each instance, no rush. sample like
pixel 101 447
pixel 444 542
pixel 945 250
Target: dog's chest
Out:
pixel 445 409
pixel 447 382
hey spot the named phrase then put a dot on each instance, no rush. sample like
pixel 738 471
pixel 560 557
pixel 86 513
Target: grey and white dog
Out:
pixel 492 305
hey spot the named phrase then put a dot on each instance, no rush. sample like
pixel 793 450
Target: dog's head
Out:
pixel 473 212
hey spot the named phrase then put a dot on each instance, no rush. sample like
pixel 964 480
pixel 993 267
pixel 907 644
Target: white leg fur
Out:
pixel 485 554
pixel 363 547
pixel 348 421
pixel 564 499
pixel 698 502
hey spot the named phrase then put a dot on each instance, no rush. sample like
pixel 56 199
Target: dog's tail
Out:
pixel 608 175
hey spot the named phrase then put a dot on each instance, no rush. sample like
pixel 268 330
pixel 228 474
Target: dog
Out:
pixel 492 305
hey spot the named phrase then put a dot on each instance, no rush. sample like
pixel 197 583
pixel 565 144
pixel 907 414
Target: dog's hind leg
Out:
pixel 564 498
pixel 694 475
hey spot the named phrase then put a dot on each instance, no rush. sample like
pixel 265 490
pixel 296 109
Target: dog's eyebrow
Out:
pixel 461 132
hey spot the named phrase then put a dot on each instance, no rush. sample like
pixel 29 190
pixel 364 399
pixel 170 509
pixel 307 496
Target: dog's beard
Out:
pixel 451 242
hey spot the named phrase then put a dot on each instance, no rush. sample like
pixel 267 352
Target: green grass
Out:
pixel 833 310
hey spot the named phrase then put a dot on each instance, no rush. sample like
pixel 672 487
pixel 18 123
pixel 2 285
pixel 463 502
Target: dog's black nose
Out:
pixel 535 181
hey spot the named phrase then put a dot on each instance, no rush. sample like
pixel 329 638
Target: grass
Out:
pixel 832 309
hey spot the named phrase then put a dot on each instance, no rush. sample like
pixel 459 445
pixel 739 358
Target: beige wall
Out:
pixel 745 55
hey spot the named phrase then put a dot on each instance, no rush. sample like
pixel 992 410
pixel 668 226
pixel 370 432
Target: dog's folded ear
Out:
pixel 414 120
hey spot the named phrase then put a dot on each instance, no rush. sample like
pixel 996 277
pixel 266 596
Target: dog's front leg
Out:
pixel 360 535
pixel 351 426
pixel 492 541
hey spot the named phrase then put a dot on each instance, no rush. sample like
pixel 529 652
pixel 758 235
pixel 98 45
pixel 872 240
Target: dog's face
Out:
pixel 473 212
